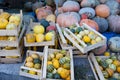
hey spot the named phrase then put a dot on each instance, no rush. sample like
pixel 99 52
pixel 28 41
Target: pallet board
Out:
pixel 82 46
pixel 4 32
pixel 22 73
pixel 49 51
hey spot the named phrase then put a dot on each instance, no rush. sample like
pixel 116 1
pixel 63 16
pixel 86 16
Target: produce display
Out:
pixel 58 65
pixel 110 67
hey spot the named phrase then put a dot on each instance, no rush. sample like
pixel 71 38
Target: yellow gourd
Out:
pixel 5 15
pixel 64 73
pixel 3 23
pixel 58 56
pixel 86 39
pixel 56 63
pixel 49 62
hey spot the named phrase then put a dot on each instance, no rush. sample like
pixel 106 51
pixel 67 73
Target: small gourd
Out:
pixel 3 23
pixel 56 76
pixel 66 66
pixel 105 74
pixel 112 66
pixel 49 75
pixel 109 71
pixel 103 64
pixel 44 22
pixel 56 64
pixel 37 61
pixel 109 61
pixel 50 68
pixel 62 60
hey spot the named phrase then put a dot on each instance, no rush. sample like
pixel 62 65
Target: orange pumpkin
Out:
pixel 102 10
pixel 90 23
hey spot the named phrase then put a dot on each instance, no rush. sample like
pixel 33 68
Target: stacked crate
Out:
pixel 11 50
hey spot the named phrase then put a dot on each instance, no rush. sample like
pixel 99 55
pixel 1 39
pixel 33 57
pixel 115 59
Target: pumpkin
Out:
pixel 66 66
pixel 30 38
pixel 50 68
pixel 44 23
pixel 102 10
pixel 102 23
pixel 114 44
pixel 51 18
pixel 90 12
pixel 68 19
pixel 28 6
pixel 100 50
pixel 37 5
pixel 58 56
pixel 71 6
pixel 114 7
pixel 56 64
pixel 62 60
pixel 114 23
pixel 3 23
pixel 64 73
pixel 109 71
pixel 88 3
pixel 90 23
pixel 103 1
pixel 27 18
pixel 5 15
pixel 43 12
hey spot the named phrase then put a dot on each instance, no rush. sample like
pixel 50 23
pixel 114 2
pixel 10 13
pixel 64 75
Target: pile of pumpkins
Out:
pixel 8 21
pixel 110 67
pixel 33 61
pixel 58 65
pixel 41 32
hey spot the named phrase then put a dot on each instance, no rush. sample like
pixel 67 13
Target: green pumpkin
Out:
pixel 56 76
pixel 62 60
pixel 50 68
pixel 49 75
pixel 105 74
pixel 44 22
pixel 103 64
pixel 78 29
pixel 67 59
pixel 37 61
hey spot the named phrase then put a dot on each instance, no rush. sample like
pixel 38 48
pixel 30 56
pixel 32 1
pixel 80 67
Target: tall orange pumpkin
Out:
pixel 102 10
pixel 90 23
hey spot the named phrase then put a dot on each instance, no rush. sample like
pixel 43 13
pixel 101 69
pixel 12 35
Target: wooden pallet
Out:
pixel 4 32
pixel 49 51
pixel 29 52
pixel 4 43
pixel 62 40
pixel 83 47
pixel 44 43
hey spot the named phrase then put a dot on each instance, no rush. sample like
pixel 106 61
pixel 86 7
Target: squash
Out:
pixel 116 63
pixel 90 23
pixel 44 23
pixel 29 64
pixel 114 23
pixel 49 75
pixel 5 15
pixel 35 56
pixel 37 5
pixel 109 61
pixel 68 19
pixel 71 6
pixel 112 66
pixel 105 74
pixel 109 71
pixel 56 76
pixel 56 64
pixel 114 7
pixel 3 23
pixel 43 12
pixel 90 12
pixel 50 68
pixel 103 64
pixel 37 61
pixel 28 6
pixel 11 26
pixel 102 10
pixel 64 74
pixel 62 61
pixel 58 56
pixel 88 3
pixel 102 23
pixel 66 66
pixel 114 44
pixel 30 38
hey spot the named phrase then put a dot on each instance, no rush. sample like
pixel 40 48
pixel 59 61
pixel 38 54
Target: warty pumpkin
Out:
pixel 114 23
pixel 71 6
pixel 90 12
pixel 90 23
pixel 102 10
pixel 102 23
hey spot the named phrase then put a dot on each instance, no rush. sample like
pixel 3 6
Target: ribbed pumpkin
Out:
pixel 89 3
pixel 71 6
pixel 102 10
pixel 114 7
pixel 114 44
pixel 102 23
pixel 3 23
pixel 90 23
pixel 114 23
pixel 43 12
pixel 90 12
pixel 68 19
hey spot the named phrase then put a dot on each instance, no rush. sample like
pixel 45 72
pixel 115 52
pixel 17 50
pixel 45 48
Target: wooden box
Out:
pixel 39 71
pixel 82 46
pixel 16 43
pixel 62 40
pixel 49 51
pixel 44 43
pixel 4 32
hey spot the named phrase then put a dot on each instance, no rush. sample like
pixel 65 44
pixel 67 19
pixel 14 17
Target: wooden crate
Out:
pixel 62 40
pixel 82 46
pixel 44 43
pixel 4 43
pixel 49 51
pixel 4 32
pixel 90 62
pixel 40 71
